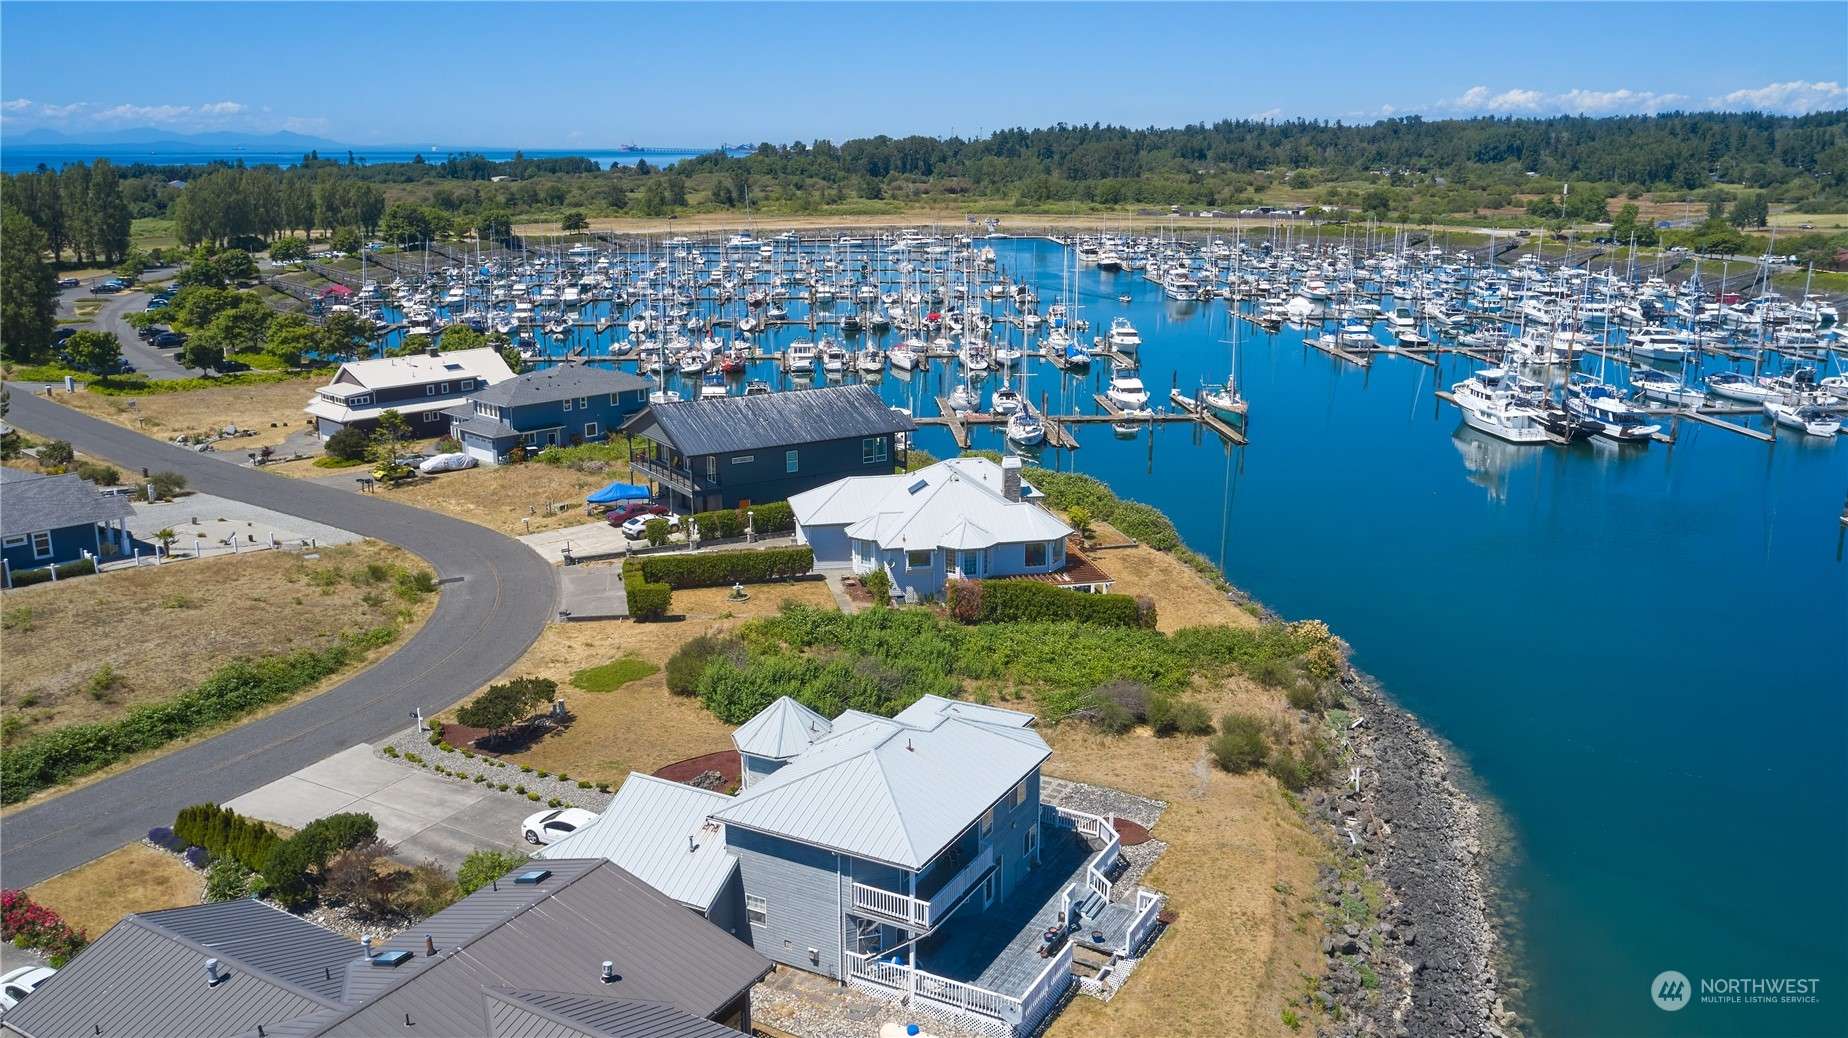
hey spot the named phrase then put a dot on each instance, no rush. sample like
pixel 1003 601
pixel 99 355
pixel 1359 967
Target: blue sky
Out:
pixel 594 75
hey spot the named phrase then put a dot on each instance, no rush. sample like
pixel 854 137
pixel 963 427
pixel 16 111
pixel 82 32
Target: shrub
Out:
pixel 1241 744
pixel 728 522
pixel 689 662
pixel 1272 673
pixel 226 880
pixel 482 867
pixel 198 857
pixel 288 870
pixel 349 444
pixel 1298 769
pixel 101 475
pixel 725 568
pixel 26 924
pixel 223 833
pixel 161 836
pixel 965 600
pixel 583 783
pixel 655 532
pixel 425 890
pixel 230 692
pixel 879 585
pixel 1323 661
pixel 647 600
pixel 167 484
pixel 775 517
pixel 1006 601
pixel 390 751
pixel 1112 718
pixel 1303 696
pixel 1171 715
pixel 28 577
pixel 358 878
pixel 1131 696
pixel 534 797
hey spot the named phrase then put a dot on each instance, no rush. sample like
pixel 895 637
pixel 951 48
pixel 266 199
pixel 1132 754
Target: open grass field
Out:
pixel 1182 598
pixel 513 499
pixel 153 232
pixel 640 726
pixel 137 878
pixel 272 410
pixel 1820 222
pixel 91 649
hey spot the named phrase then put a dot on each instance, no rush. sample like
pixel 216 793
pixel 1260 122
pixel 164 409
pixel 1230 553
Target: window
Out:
pixel 467 384
pixel 874 448
pixel 359 401
pixel 567 403
pixel 743 459
pixel 430 390
pixel 1036 554
pixel 712 466
pixel 14 542
pixel 789 461
pixel 970 564
pixel 920 559
pixel 988 890
pixel 614 401
pixel 433 416
pixel 756 909
pixel 1020 793
pixel 1032 838
pixel 583 403
pixel 41 544
pixel 988 821
pixel 590 430
pixel 445 389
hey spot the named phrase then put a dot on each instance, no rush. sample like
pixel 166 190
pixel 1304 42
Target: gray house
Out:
pixel 565 404
pixel 562 948
pixel 419 387
pixel 910 857
pixel 48 520
pixel 730 452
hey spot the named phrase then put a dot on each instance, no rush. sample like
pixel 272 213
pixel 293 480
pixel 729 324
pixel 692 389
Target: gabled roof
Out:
pixel 33 501
pixel 555 1014
pixel 952 504
pixel 721 425
pixel 559 382
pixel 781 730
pixel 146 976
pixel 658 831
pixel 929 707
pixel 419 368
pixel 890 791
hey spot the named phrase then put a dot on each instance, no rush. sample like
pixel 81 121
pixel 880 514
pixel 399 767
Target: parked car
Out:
pixel 62 334
pixel 555 824
pixel 637 526
pixel 68 282
pixel 105 287
pixel 447 463
pixel 168 340
pixel 15 985
pixel 630 509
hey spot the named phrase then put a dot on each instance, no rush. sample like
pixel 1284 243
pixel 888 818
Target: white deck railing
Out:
pixel 1021 1015
pixel 1097 827
pixel 918 912
pixel 1148 907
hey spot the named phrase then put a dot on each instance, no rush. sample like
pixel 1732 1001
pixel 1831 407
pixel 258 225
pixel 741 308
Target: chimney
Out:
pixel 365 943
pixel 430 351
pixel 609 972
pixel 1010 477
pixel 213 978
pixel 691 846
pixel 429 945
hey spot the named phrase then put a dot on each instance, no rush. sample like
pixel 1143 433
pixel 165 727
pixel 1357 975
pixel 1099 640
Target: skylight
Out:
pixel 919 485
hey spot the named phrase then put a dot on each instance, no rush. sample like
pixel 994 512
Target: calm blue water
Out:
pixel 21 159
pixel 1642 653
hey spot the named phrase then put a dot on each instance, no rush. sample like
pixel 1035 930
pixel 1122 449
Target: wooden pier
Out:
pixel 959 422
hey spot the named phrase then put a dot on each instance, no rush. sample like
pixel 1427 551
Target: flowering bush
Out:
pixel 30 925
pixel 198 857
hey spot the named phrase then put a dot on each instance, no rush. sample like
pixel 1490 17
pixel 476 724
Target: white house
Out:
pixel 963 518
pixel 419 387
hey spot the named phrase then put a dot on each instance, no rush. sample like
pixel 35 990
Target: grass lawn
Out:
pixel 153 232
pixel 68 662
pixel 137 878
pixel 273 410
pixel 1182 598
pixel 612 675
pixel 640 726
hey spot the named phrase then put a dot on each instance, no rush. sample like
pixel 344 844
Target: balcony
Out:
pixel 923 913
pixel 677 478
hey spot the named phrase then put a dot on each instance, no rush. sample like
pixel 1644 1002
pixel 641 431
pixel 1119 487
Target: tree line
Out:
pixel 80 209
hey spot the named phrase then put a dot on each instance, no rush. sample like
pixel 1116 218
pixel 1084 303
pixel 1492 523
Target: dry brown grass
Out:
pixel 1239 871
pixel 513 499
pixel 137 878
pixel 271 410
pixel 640 726
pixel 160 629
pixel 1182 598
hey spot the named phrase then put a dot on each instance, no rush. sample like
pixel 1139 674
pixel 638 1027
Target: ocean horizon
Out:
pixel 25 158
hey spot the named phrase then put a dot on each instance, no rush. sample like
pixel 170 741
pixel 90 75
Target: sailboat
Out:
pixel 1024 428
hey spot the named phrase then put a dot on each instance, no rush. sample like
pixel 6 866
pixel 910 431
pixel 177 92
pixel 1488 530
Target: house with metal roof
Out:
pixel 420 387
pixel 565 404
pixel 779 733
pixel 965 518
pixel 727 452
pixel 50 520
pixel 562 948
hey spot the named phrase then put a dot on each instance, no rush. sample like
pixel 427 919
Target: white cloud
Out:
pixel 18 104
pixel 1268 113
pixel 222 108
pixel 143 113
pixel 76 116
pixel 1525 101
pixel 1793 98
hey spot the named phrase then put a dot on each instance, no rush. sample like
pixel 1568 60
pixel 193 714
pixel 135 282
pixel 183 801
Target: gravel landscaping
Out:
pixel 413 747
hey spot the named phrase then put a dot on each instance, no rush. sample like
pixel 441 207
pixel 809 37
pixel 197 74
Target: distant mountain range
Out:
pixel 153 139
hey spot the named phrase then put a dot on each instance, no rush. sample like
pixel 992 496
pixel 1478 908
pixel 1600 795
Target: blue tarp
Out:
pixel 617 492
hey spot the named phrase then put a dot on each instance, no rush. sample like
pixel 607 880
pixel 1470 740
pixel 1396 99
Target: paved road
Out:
pixel 499 598
pixel 146 359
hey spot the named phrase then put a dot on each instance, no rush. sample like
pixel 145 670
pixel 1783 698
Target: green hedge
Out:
pixel 286 869
pixel 647 601
pixel 229 693
pixel 773 517
pixel 1009 601
pixel 79 568
pixel 724 568
pixel 226 834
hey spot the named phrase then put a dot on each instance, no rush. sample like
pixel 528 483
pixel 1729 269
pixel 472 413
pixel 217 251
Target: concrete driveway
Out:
pixel 598 538
pixel 421 815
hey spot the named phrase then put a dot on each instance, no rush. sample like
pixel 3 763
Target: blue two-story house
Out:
pixel 731 452
pixel 563 405
pixel 50 520
pixel 419 387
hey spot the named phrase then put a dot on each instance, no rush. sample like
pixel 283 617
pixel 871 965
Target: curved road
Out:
pixel 497 598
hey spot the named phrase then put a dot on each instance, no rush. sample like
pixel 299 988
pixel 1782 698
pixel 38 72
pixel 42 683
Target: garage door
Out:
pixel 481 452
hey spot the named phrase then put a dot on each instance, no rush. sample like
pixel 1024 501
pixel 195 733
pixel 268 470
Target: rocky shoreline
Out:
pixel 1412 946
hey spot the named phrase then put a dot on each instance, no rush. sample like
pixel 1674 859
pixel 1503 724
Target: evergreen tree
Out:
pixel 28 289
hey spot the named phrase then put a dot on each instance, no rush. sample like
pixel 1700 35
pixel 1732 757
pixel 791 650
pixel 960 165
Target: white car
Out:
pixel 637 527
pixel 19 983
pixel 447 463
pixel 555 824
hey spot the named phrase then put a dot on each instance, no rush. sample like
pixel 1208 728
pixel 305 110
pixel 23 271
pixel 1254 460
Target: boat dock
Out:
pixel 959 422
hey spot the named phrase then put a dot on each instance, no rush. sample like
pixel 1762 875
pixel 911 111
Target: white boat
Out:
pixel 1734 386
pixel 1661 386
pixel 800 356
pixel 1124 338
pixel 1358 337
pixel 1024 429
pixel 712 385
pixel 1607 410
pixel 1661 344
pixel 1005 401
pixel 1127 392
pixel 904 356
pixel 1499 403
pixel 962 398
pixel 833 358
pixel 871 360
pixel 1813 419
